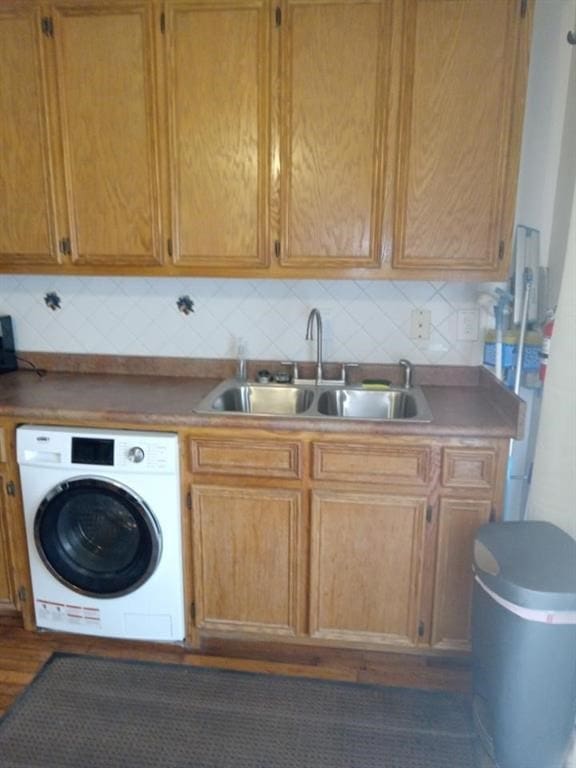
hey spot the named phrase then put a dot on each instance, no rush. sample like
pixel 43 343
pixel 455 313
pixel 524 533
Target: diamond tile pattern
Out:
pixel 364 321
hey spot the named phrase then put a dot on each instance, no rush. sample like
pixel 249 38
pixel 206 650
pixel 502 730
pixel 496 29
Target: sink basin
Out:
pixel 316 401
pixel 277 400
pixel 372 404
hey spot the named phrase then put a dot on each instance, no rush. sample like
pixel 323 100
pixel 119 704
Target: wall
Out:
pixel 364 321
pixel 548 161
pixel 554 481
pixel 566 177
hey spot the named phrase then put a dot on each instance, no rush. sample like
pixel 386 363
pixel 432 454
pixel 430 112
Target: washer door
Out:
pixel 97 537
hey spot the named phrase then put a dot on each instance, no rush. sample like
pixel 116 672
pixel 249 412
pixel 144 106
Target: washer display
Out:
pixel 102 512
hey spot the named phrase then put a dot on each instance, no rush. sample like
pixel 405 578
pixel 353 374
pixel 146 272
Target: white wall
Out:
pixel 553 492
pixel 548 159
pixel 364 321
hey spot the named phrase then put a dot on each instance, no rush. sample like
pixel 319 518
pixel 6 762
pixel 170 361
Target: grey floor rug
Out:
pixel 90 712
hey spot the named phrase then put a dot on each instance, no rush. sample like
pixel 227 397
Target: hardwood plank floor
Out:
pixel 23 653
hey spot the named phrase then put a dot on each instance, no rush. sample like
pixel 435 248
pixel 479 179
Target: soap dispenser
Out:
pixel 241 360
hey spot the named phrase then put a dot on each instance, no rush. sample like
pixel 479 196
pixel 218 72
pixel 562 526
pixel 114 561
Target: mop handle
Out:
pixel 523 324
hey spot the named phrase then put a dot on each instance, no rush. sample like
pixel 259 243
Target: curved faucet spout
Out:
pixel 316 316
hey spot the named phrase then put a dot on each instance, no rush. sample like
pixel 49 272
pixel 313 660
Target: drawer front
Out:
pixel 468 467
pixel 375 464
pixel 257 458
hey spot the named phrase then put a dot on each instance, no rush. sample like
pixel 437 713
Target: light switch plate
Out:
pixel 468 325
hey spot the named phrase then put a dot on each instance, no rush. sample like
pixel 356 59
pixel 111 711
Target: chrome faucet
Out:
pixel 408 371
pixel 315 315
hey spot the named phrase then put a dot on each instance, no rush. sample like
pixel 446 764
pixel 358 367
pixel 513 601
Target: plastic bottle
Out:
pixel 241 360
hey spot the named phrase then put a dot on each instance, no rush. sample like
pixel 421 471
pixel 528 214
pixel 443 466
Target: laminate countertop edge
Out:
pixel 480 407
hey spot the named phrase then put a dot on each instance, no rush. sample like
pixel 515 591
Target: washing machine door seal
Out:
pixel 97 537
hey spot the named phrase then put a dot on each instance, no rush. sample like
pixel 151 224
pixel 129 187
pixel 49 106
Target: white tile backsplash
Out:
pixel 364 321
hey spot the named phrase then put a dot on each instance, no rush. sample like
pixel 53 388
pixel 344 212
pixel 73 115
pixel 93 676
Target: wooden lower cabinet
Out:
pixel 366 566
pixel 249 559
pixel 7 589
pixel 364 541
pixel 459 519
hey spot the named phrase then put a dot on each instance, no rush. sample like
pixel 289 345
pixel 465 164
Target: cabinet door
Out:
pixel 108 120
pixel 366 563
pixel 218 72
pixel 460 137
pixel 334 108
pixel 248 560
pixel 7 592
pixel 28 235
pixel 458 522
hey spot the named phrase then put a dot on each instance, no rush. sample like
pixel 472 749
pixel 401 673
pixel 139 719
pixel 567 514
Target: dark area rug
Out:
pixel 88 712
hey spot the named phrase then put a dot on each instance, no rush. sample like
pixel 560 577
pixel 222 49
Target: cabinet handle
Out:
pixel 47 26
pixel 571 37
pixel 10 488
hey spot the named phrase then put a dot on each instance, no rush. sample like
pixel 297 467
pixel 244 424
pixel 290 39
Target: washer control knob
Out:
pixel 136 455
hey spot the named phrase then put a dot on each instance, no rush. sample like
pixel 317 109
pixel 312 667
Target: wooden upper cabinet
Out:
pixel 218 85
pixel 106 96
pixel 287 138
pixel 459 148
pixel 27 194
pixel 335 79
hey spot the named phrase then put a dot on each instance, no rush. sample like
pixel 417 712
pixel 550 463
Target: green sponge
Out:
pixel 376 384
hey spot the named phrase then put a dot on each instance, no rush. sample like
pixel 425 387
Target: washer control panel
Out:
pixel 155 452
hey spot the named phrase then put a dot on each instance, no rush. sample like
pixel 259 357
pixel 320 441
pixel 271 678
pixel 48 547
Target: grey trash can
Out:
pixel 524 642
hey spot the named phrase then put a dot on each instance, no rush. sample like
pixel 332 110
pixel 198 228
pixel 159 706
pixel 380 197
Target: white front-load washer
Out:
pixel 103 526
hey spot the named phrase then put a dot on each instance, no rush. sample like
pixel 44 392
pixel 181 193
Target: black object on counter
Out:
pixel 7 350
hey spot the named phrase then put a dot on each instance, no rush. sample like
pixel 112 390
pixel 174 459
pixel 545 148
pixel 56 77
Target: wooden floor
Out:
pixel 23 653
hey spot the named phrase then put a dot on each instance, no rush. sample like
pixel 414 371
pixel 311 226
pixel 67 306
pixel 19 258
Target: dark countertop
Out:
pixel 481 407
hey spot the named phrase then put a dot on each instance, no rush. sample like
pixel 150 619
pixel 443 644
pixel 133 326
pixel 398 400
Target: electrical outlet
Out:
pixel 468 322
pixel 420 324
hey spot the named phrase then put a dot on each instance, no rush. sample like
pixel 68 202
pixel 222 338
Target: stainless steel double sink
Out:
pixel 306 400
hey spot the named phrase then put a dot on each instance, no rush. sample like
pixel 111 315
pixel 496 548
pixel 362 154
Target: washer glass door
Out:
pixel 97 537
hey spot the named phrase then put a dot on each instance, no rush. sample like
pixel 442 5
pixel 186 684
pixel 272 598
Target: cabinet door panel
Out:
pixel 248 559
pixel 7 594
pixel 458 106
pixel 27 195
pixel 469 468
pixel 108 114
pixel 366 566
pixel 245 456
pixel 219 72
pixel 458 523
pixel 372 463
pixel 335 81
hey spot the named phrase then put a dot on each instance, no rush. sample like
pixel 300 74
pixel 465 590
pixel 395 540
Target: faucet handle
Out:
pixel 345 372
pixel 408 371
pixel 294 365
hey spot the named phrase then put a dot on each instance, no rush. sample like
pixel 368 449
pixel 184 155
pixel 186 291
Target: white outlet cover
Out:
pixel 420 321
